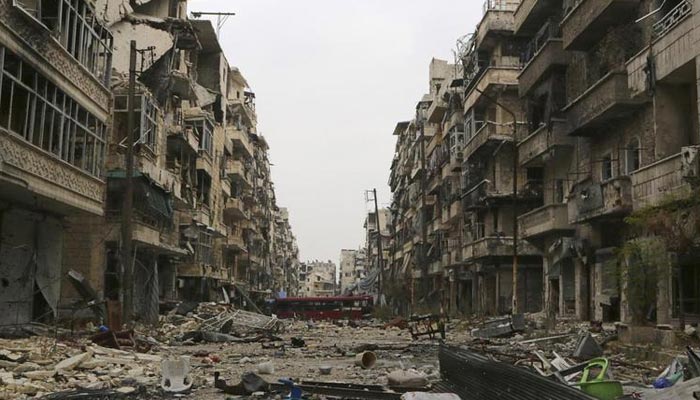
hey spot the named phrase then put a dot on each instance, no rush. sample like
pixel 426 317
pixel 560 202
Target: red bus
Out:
pixel 318 308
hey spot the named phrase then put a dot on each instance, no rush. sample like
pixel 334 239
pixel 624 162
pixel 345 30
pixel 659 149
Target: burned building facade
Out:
pixel 569 125
pixel 205 219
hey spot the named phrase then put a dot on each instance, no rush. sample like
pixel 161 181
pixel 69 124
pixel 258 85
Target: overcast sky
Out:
pixel 332 78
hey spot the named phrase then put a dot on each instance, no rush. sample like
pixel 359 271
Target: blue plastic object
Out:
pixel 295 392
pixel 103 328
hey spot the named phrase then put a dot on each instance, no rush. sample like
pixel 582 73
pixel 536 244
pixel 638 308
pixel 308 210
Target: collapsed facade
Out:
pixel 205 223
pixel 571 125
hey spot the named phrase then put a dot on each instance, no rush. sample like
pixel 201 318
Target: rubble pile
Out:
pixel 197 349
pixel 41 365
pixel 213 322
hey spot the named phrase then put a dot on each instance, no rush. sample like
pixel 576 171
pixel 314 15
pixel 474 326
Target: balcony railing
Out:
pixel 607 99
pixel 656 182
pixel 489 131
pixel 500 5
pixel 587 21
pixel 594 200
pixel 544 141
pixel 549 31
pixel 543 220
pixel 676 15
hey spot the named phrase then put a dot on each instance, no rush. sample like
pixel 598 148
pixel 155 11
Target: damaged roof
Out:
pixel 206 35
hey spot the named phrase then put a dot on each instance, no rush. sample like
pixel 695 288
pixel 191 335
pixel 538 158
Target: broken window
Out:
pixel 203 248
pixel 204 130
pixel 146 114
pixel 35 109
pixel 203 188
pixel 606 167
pixel 78 29
pixel 632 156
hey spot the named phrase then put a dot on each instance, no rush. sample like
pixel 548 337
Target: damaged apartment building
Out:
pixel 572 125
pixel 205 222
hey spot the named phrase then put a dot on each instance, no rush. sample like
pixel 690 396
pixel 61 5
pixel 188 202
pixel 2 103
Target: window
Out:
pixel 79 31
pixel 35 109
pixel 204 130
pixel 606 167
pixel 203 249
pixel 632 156
pixel 146 115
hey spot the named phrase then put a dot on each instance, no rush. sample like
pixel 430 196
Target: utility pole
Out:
pixel 380 257
pixel 515 197
pixel 127 212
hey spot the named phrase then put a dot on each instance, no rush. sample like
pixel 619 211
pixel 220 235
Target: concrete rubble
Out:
pixel 70 364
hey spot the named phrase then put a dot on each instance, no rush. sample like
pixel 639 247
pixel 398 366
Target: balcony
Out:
pixel 588 21
pixel 497 246
pixel 530 14
pixel 674 38
pixel 605 100
pixel 234 210
pixel 437 111
pixel 551 218
pixel 204 163
pixel 545 143
pixel 202 215
pixel 593 200
pixel 660 181
pixel 498 75
pixel 477 196
pixel 240 141
pixel 497 20
pixel 488 135
pixel 237 171
pixel 184 137
pixel 37 177
pixel 543 56
pixel 451 214
pixel 234 242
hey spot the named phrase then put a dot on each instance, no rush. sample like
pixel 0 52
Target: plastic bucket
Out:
pixel 366 359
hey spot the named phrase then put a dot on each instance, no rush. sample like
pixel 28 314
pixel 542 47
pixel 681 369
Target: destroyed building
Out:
pixel 205 223
pixel 597 101
pixel 317 279
pixel 353 270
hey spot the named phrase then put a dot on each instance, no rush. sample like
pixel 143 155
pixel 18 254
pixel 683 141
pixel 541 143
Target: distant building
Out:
pixel 352 269
pixel 317 279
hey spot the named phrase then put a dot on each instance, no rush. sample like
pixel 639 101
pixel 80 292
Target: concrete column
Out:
pixel 581 288
pixel 546 285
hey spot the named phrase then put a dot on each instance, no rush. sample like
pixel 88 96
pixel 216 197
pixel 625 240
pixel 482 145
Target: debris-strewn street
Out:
pixel 214 362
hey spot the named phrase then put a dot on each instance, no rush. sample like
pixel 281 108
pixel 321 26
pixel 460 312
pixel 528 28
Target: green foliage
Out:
pixel 675 220
pixel 643 261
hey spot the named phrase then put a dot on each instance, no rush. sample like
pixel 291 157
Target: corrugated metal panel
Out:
pixel 473 376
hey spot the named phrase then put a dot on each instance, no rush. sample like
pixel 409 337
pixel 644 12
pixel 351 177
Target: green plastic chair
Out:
pixel 597 386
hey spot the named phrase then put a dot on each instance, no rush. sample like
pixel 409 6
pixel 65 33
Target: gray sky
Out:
pixel 332 78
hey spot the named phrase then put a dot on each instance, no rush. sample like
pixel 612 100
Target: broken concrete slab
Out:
pixel 73 362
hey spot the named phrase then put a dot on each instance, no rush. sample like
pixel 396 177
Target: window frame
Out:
pixel 77 19
pixel 68 119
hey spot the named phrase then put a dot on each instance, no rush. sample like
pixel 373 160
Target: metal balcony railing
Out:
pixel 500 5
pixel 676 15
pixel 550 30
